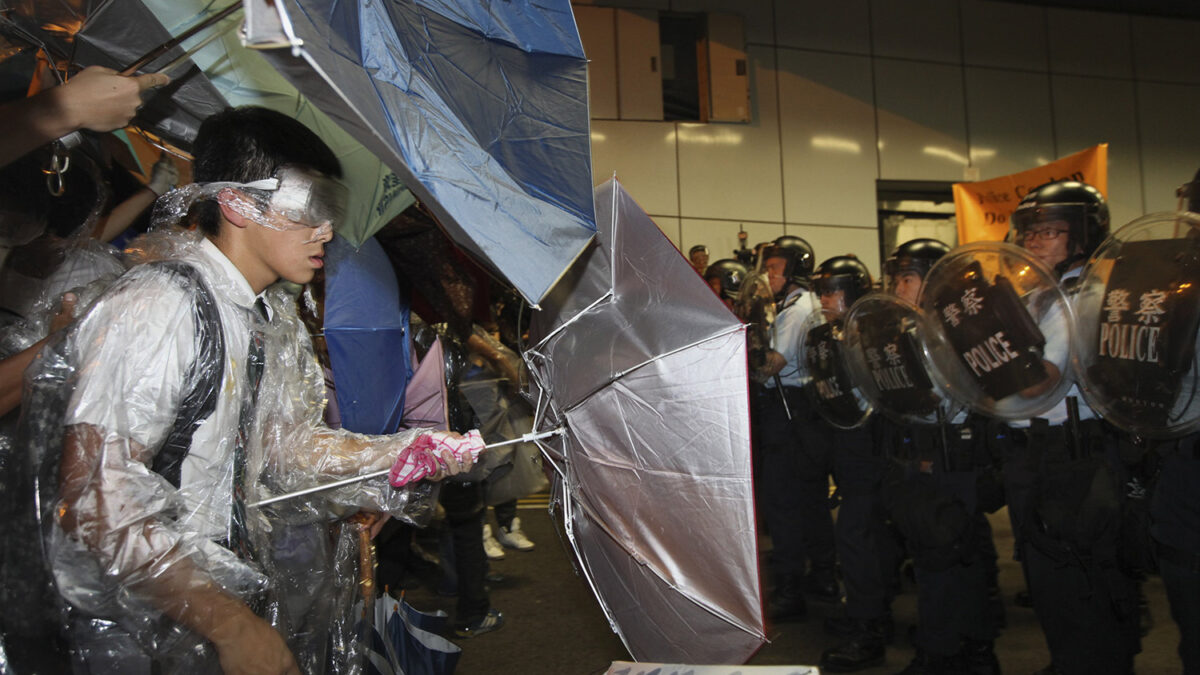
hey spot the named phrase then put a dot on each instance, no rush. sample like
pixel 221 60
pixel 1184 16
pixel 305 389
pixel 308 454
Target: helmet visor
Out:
pixel 1047 222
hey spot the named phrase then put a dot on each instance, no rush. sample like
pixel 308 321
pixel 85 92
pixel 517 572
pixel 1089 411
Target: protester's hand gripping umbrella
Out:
pixel 644 370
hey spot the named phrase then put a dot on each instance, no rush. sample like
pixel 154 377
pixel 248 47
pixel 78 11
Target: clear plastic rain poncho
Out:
pixel 140 419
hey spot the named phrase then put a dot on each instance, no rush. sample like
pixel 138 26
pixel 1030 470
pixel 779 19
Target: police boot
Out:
pixel 980 657
pixel 787 601
pixel 844 626
pixel 864 650
pixel 821 584
pixel 925 663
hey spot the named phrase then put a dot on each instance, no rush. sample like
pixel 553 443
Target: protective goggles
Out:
pixel 292 198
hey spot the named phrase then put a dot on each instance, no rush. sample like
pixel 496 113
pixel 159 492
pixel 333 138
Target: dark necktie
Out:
pixel 238 533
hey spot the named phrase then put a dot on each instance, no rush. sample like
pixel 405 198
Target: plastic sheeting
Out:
pixel 479 107
pixel 645 369
pixel 138 537
pixel 366 328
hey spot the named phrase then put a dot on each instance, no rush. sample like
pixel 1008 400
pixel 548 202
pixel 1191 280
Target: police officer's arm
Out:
pixel 1046 384
pixel 774 364
pixel 104 505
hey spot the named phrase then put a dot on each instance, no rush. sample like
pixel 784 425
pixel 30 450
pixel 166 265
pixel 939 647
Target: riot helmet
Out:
pixel 844 273
pixel 915 256
pixel 798 254
pixel 726 276
pixel 1079 209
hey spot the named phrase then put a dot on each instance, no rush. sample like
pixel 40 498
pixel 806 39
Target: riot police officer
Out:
pixel 725 277
pixel 933 500
pixel 1062 477
pixel 781 410
pixel 864 545
pixel 1175 513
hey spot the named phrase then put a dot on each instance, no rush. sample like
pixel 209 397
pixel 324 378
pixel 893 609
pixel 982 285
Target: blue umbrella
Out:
pixel 480 107
pixel 366 330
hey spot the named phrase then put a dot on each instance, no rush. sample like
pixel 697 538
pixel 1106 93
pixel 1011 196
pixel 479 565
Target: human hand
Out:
pixel 66 312
pixel 436 455
pixel 163 176
pixel 101 99
pixel 247 645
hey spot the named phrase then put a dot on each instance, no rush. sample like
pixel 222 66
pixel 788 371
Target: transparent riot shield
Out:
pixel 888 343
pixel 1009 328
pixel 1136 314
pixel 831 387
pixel 755 306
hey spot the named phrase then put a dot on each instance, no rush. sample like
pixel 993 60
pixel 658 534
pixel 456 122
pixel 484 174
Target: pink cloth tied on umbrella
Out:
pixel 422 458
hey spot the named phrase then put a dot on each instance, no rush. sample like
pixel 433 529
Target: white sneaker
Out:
pixel 513 537
pixel 490 546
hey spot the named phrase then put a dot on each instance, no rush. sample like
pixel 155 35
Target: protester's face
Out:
pixel 834 302
pixel 776 267
pixel 292 253
pixel 907 286
pixel 1048 241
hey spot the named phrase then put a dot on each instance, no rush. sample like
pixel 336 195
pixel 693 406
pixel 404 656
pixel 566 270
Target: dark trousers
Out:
pixel 952 602
pixel 464 519
pixel 1088 614
pixel 505 513
pixel 952 605
pixel 1181 577
pixel 1175 514
pixel 793 487
pixel 1086 605
pixel 865 546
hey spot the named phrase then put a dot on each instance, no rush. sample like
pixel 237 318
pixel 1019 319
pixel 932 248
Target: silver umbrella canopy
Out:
pixel 480 107
pixel 645 370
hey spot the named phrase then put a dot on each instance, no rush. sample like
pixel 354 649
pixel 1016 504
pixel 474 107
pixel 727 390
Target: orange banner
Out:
pixel 983 208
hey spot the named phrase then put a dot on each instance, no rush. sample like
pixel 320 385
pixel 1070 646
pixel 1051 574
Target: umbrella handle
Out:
pixel 527 438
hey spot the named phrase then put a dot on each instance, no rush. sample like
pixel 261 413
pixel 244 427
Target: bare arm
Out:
pixel 12 369
pixel 97 98
pixel 121 217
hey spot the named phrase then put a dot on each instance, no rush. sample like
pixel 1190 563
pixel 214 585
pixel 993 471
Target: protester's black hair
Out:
pixel 248 144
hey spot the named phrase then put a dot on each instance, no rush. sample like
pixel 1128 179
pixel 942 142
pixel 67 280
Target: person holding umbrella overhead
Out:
pixel 192 387
pixel 97 98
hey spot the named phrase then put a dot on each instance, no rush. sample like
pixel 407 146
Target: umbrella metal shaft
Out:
pixel 383 472
pixel 175 41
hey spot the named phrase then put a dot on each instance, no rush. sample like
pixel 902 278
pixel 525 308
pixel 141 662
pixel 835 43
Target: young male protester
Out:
pixel 190 391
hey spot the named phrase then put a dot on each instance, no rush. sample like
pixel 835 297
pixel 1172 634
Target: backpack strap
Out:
pixel 204 373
